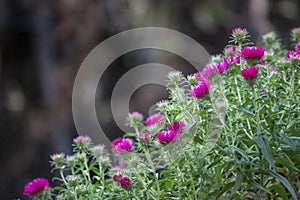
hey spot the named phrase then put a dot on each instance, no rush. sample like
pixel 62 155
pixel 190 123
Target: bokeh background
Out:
pixel 43 43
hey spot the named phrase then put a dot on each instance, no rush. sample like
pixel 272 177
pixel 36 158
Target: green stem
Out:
pixel 238 90
pixel 152 168
pixel 254 98
pixel 63 178
pixel 292 83
pixel 102 178
pixel 87 171
pixel 142 180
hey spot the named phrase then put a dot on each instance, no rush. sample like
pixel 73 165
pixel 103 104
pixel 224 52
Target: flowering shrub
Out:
pixel 230 131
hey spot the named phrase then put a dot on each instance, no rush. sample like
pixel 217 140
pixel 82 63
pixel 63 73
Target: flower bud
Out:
pixel 144 138
pixel 58 159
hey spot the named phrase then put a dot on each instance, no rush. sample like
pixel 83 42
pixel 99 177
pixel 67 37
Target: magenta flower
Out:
pixel 250 72
pixel 252 52
pixel 231 59
pixel 262 92
pixel 207 71
pixel 124 182
pixel 121 145
pixel 167 136
pixel 176 126
pixel 36 185
pixel 291 54
pixel 297 48
pixel 154 119
pixel 221 66
pixel 200 88
pixel 234 59
pixel 117 177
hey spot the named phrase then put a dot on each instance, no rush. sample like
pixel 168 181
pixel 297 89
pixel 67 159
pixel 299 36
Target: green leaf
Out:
pixel 242 109
pixel 129 135
pixel 264 146
pixel 280 190
pixel 290 142
pixel 240 151
pixel 236 67
pixel 168 184
pixel 224 189
pixel 287 163
pixel 238 182
pixel 258 186
pixel 284 182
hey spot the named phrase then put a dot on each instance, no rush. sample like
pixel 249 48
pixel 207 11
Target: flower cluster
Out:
pixel 235 143
pixel 213 68
pixel 123 181
pixel 293 54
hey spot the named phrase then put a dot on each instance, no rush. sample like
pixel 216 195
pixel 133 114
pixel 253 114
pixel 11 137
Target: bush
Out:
pixel 230 131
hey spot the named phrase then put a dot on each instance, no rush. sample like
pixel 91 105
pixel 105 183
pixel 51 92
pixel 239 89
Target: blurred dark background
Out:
pixel 43 43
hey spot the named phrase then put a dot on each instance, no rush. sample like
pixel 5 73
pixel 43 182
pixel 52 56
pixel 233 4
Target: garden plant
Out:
pixel 230 131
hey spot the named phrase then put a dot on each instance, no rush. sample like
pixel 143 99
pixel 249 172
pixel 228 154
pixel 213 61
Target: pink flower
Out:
pixel 117 177
pixel 121 145
pixel 238 30
pixel 167 136
pixel 115 168
pixel 136 116
pixel 297 48
pixel 272 68
pixel 80 138
pixel 154 119
pixel 36 185
pixel 262 92
pixel 297 29
pixel 252 52
pixel 122 164
pixel 200 88
pixel 250 72
pixel 124 182
pixel 230 50
pixel 143 137
pixel 176 126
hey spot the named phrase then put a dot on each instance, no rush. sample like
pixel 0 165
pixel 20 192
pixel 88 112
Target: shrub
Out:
pixel 230 131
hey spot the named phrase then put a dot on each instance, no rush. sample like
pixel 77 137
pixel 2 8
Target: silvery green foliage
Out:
pixel 241 139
